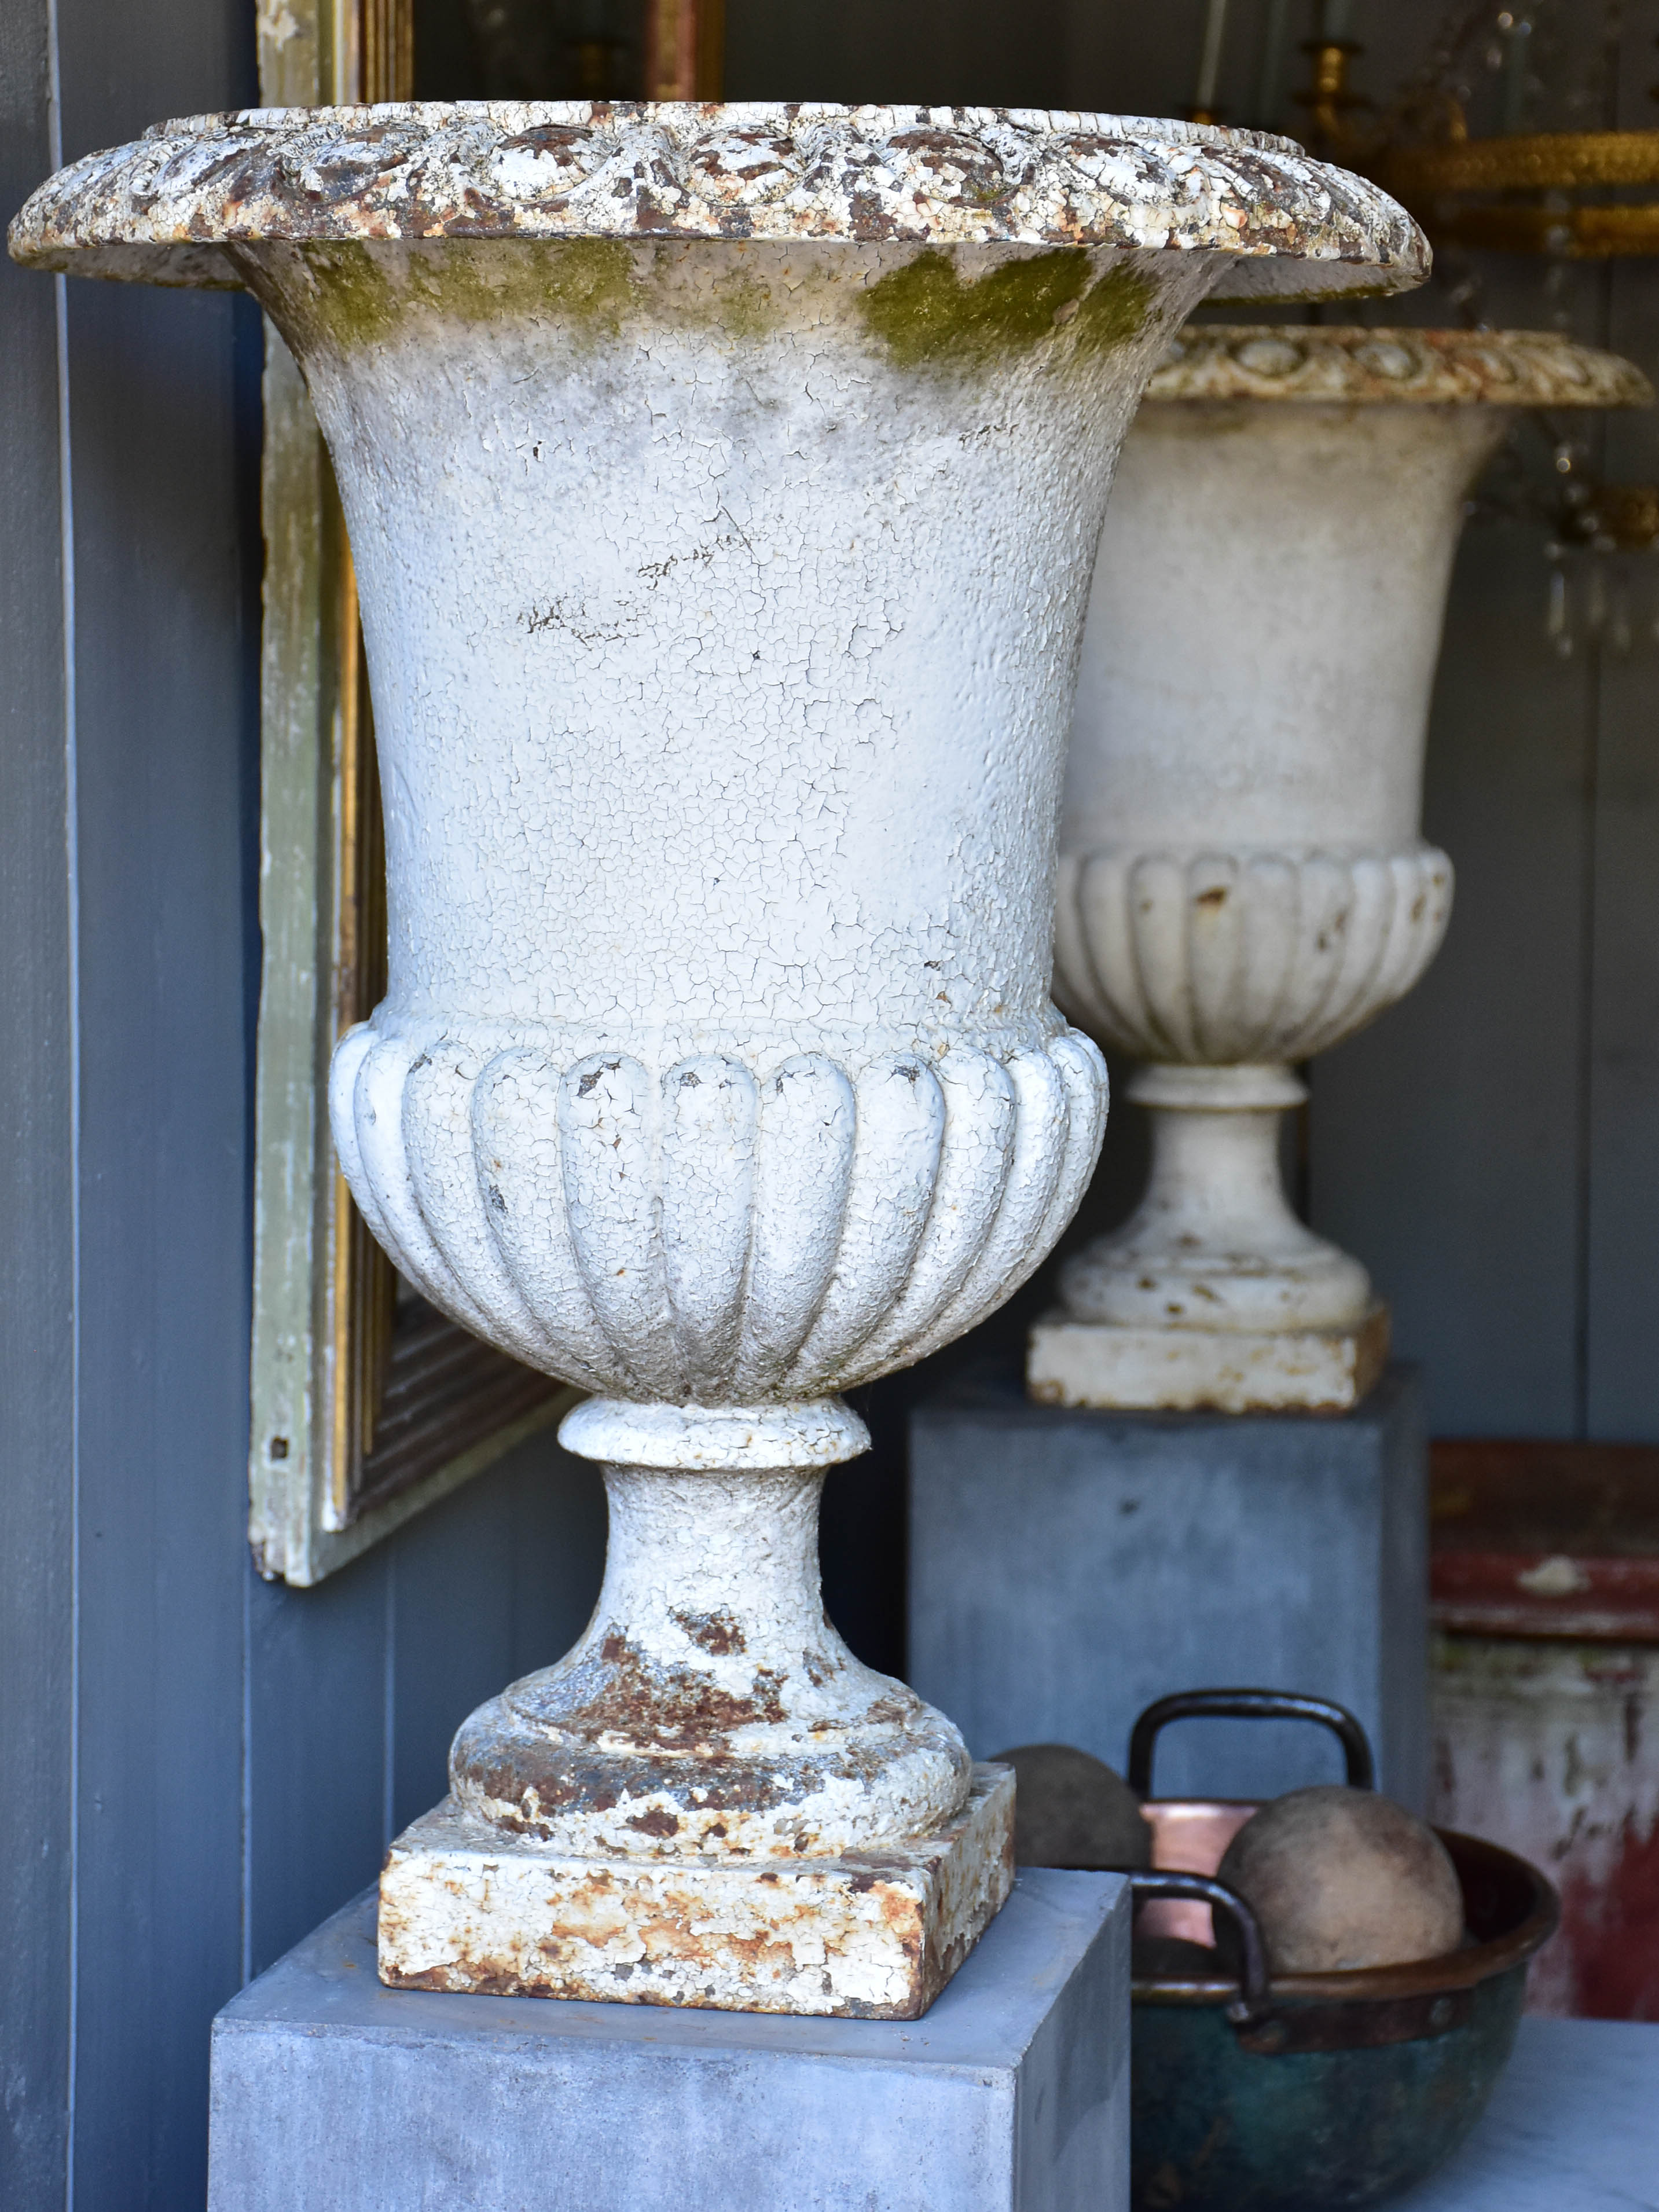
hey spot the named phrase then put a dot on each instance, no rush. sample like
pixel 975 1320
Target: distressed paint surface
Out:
pixel 1154 1368
pixel 1372 366
pixel 1213 1249
pixel 710 1709
pixel 720 770
pixel 1243 882
pixel 1212 957
pixel 872 1934
pixel 723 487
pixel 717 1071
pixel 1547 1746
pixel 161 209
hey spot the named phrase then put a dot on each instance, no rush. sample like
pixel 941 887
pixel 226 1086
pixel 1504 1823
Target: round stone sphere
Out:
pixel 1341 1878
pixel 1071 1810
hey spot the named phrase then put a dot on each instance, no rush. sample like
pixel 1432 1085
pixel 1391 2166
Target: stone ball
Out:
pixel 1071 1810
pixel 1341 1878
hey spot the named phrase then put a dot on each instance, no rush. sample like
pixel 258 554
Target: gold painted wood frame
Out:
pixel 367 1404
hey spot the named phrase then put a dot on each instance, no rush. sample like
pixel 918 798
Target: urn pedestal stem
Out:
pixel 1214 1242
pixel 723 486
pixel 710 1707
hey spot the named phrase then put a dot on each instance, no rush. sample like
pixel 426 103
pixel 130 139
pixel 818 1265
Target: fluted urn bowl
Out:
pixel 723 486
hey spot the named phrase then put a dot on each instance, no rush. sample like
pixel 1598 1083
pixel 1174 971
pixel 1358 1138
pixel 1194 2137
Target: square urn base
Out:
pixel 1114 1368
pixel 872 1935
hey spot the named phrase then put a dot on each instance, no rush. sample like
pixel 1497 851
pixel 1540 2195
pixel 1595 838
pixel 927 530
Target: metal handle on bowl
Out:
pixel 1199 1889
pixel 1248 1705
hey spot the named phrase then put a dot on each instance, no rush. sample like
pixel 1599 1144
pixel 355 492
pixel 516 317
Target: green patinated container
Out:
pixel 1336 2090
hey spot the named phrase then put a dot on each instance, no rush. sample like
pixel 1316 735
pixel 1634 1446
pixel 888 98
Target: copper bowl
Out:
pixel 1254 2092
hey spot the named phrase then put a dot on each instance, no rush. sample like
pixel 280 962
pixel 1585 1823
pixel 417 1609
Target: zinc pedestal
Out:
pixel 331 2093
pixel 1068 1567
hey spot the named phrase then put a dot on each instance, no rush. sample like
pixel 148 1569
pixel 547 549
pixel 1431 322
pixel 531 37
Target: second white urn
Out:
pixel 1243 879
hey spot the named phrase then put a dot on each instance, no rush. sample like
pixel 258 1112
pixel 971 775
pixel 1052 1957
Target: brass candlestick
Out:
pixel 1331 102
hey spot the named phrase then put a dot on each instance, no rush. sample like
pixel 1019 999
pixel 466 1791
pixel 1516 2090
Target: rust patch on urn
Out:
pixel 655 1823
pixel 667 1708
pixel 686 1764
pixel 715 1632
pixel 867 1935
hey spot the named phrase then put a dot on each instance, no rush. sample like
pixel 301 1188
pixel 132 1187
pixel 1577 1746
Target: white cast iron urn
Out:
pixel 1242 882
pixel 723 485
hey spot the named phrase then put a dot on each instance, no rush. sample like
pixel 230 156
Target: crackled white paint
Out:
pixel 717 1069
pixel 723 547
pixel 172 206
pixel 719 768
pixel 1243 882
pixel 873 1934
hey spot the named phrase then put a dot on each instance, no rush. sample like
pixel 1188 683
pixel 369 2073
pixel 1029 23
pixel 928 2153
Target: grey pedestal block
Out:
pixel 333 2094
pixel 1068 1567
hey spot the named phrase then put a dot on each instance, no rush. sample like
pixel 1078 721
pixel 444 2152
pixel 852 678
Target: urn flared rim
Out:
pixel 1376 367
pixel 162 209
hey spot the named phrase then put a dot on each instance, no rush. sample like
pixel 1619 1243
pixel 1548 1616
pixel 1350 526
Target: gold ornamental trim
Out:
pixel 1544 161
pixel 1579 233
pixel 1431 179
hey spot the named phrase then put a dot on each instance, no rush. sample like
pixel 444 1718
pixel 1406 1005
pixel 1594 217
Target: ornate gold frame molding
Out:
pixel 1452 186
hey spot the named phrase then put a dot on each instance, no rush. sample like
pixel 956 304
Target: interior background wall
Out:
pixel 199 1766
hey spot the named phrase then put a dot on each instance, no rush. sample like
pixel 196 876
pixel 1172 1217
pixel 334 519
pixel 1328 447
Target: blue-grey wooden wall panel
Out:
pixel 355 1687
pixel 163 645
pixel 317 1749
pixel 452 1645
pixel 37 1290
pixel 163 728
pixel 1446 1137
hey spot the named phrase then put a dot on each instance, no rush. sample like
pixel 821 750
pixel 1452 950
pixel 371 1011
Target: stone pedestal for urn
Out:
pixel 1242 882
pixel 1159 1551
pixel 723 486
pixel 333 2094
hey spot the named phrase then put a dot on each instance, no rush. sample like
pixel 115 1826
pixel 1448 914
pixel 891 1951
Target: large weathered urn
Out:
pixel 1242 880
pixel 723 485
